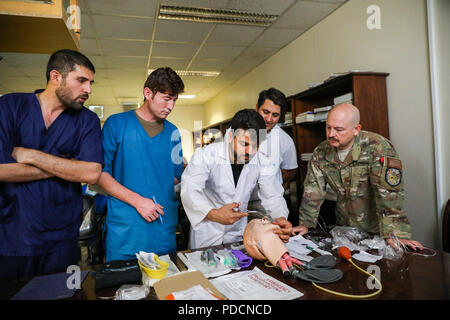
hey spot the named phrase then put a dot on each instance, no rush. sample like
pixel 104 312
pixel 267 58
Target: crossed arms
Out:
pixel 37 165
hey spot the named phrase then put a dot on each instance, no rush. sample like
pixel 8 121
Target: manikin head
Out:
pixel 262 243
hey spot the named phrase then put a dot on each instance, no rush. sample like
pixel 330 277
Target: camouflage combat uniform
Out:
pixel 368 184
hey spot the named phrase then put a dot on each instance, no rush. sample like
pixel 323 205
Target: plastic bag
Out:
pixel 349 237
pixel 132 292
pixel 391 253
pixel 375 243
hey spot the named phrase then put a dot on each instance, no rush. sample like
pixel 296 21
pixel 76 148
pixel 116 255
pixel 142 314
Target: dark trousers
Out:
pixel 52 262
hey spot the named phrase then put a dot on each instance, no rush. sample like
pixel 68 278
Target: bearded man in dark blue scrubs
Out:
pixel 49 144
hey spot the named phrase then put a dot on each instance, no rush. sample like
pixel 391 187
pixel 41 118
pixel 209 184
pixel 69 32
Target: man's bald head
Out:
pixel 346 111
pixel 343 126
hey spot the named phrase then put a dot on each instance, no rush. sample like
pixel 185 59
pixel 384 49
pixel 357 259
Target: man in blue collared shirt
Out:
pixel 49 143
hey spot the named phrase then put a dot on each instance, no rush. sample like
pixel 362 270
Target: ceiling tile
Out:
pixel 101 74
pixel 181 31
pixel 277 38
pixel 261 6
pixel 89 46
pixel 226 53
pixel 125 62
pixel 123 27
pixel 304 15
pixel 176 64
pixel 175 50
pixel 128 73
pixel 8 71
pixel 197 3
pixel 125 47
pixel 97 61
pixel 234 35
pixel 120 7
pixel 87 27
pixel 102 101
pixel 209 64
pixel 25 59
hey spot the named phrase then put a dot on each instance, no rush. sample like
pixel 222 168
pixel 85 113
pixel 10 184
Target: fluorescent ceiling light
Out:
pixel 216 15
pixel 193 73
pixel 98 110
pixel 186 96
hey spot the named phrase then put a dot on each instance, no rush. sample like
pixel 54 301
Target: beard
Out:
pixel 65 97
pixel 240 159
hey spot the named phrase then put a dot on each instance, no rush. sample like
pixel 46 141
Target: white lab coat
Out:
pixel 280 149
pixel 207 183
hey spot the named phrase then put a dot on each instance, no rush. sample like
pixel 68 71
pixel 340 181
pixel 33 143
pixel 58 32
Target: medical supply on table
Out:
pixel 171 270
pixel 228 259
pixel 209 257
pixel 132 292
pixel 117 272
pixel 319 251
pixel 244 260
pixel 349 237
pixel 299 245
pixel 153 266
pixel 193 261
pixel 366 257
pixel 345 253
pixel 237 246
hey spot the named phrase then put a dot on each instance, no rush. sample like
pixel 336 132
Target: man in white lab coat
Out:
pixel 278 146
pixel 217 184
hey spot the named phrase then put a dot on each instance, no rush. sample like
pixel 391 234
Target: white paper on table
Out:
pixel 366 257
pixel 193 261
pixel 298 244
pixel 298 251
pixel 299 256
pixel 299 240
pixel 254 285
pixel 197 292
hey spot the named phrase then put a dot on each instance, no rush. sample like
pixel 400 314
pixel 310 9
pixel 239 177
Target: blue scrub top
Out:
pixel 37 216
pixel 148 167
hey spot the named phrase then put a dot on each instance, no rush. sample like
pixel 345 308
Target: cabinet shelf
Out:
pixel 368 95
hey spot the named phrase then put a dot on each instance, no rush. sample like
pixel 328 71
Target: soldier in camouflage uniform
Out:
pixel 367 180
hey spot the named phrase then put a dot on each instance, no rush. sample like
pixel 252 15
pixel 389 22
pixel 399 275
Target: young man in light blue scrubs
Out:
pixel 143 161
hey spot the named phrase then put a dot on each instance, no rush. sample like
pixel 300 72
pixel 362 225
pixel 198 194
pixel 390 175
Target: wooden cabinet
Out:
pixel 210 134
pixel 368 95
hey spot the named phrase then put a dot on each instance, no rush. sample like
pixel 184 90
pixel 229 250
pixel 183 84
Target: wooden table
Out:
pixel 410 278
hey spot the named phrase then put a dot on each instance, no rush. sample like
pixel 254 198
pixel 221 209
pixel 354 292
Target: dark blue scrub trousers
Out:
pixel 52 262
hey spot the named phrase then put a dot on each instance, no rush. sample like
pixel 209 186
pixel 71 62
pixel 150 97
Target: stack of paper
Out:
pixel 305 117
pixel 323 109
pixel 254 285
pixel 343 98
pixel 321 116
pixel 288 118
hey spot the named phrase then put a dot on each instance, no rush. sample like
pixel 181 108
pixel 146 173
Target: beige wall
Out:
pixel 439 28
pixel 184 116
pixel 342 42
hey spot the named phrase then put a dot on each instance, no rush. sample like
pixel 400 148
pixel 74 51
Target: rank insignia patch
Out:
pixel 393 177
